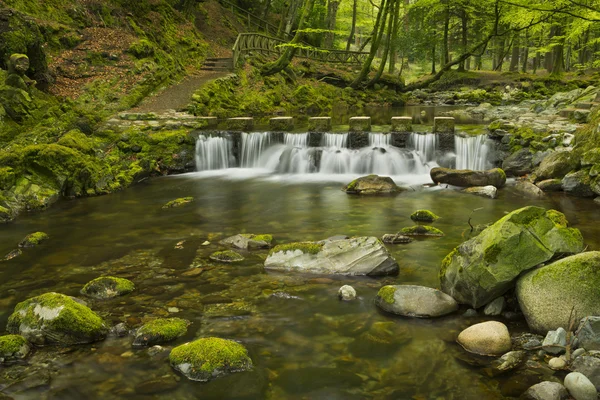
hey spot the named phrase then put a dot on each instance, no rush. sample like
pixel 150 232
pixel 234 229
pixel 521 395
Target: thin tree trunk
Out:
pixel 433 55
pixel 353 27
pixel 445 49
pixel 394 39
pixel 284 60
pixel 558 54
pixel 388 45
pixel 516 50
pixel 332 9
pixel 464 25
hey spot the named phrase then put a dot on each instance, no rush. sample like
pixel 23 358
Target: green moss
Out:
pixel 424 216
pixel 209 357
pixel 387 294
pixel 33 239
pixel 74 139
pixel 11 344
pixel 559 219
pixel 260 238
pixel 490 254
pixel 422 230
pixel 226 256
pixel 447 261
pixel 7 178
pixel 160 331
pixel 107 287
pixel 71 322
pixel 178 202
pixel 305 247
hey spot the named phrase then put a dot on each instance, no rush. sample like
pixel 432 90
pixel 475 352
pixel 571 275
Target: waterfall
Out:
pixel 380 139
pixel 213 153
pixel 424 144
pixel 295 139
pixel 472 152
pixel 338 140
pixel 335 156
pixel 253 146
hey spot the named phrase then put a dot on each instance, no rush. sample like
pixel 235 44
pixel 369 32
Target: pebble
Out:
pixel 173 309
pixel 580 387
pixel 205 243
pixel 347 293
pixel 557 363
pixel 578 352
pixel 127 354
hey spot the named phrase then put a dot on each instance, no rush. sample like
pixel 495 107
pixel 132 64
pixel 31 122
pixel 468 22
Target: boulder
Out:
pixel 557 363
pixel 487 339
pixel 159 331
pixel 415 301
pixel 578 184
pixel 546 391
pixel 519 163
pixel 33 239
pixel 421 230
pixel 424 216
pixel 372 184
pixel 483 191
pixel 210 358
pixel 347 293
pixel 590 157
pixel 589 366
pixel 467 178
pixel 56 319
pixel 248 241
pixel 354 256
pixel 486 266
pixel 556 165
pixel 548 294
pixel 13 348
pixel 395 238
pixel 588 333
pixel 580 387
pixel 226 256
pixel 530 190
pixel 550 185
pixel 107 287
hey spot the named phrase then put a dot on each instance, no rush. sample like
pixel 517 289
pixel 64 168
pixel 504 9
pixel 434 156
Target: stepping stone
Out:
pixel 240 124
pixel 281 124
pixel 360 124
pixel 319 124
pixel 401 124
pixel 443 125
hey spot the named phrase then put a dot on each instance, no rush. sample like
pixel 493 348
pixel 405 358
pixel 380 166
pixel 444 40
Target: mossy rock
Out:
pixel 227 256
pixel 56 319
pixel 486 266
pixel 178 202
pixel 248 241
pixel 372 185
pixel 159 331
pixel 422 230
pixel 13 348
pixel 33 239
pixel 424 216
pixel 210 358
pixel 304 247
pixel 107 287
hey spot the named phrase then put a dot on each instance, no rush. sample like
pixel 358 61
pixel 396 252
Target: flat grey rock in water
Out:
pixel 415 301
pixel 546 391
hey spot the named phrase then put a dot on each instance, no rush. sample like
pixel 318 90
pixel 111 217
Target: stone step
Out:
pixel 218 64
pixel 584 106
pixel 222 69
pixel 567 112
pixel 215 59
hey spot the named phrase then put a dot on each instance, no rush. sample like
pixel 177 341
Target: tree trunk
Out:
pixel 445 49
pixel 353 28
pixel 558 54
pixel 394 38
pixel 388 44
pixel 332 9
pixel 464 25
pixel 516 50
pixel 376 40
pixel 284 60
pixel 433 54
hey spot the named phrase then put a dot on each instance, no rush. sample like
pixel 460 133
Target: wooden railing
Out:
pixel 270 46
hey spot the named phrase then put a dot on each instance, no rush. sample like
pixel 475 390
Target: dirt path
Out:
pixel 177 97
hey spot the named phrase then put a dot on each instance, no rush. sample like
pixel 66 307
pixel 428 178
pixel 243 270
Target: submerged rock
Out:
pixel 354 256
pixel 33 239
pixel 210 358
pixel 395 238
pixel 107 287
pixel 178 202
pixel 546 391
pixel 248 241
pixel 580 387
pixel 483 191
pixel 487 339
pixel 372 184
pixel 548 294
pixel 13 348
pixel 54 318
pixel 227 256
pixel 415 301
pixel 486 266
pixel 511 360
pixel 467 178
pixel 161 330
pixel 529 190
pixel 422 230
pixel 424 216
pixel 550 185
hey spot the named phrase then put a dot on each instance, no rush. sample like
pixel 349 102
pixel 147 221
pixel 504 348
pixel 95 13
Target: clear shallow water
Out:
pixel 304 342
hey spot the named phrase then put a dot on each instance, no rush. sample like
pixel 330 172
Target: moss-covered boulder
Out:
pixel 248 241
pixel 182 201
pixel 210 358
pixel 33 239
pixel 519 163
pixel 467 178
pixel 13 348
pixel 56 319
pixel 415 301
pixel 372 185
pixel 557 165
pixel 486 266
pixel 107 287
pixel 578 184
pixel 422 230
pixel 161 330
pixel 353 256
pixel 548 294
pixel 424 216
pixel 226 256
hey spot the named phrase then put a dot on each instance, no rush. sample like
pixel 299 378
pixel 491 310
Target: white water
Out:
pixel 424 144
pixel 472 152
pixel 253 147
pixel 213 153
